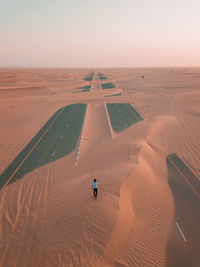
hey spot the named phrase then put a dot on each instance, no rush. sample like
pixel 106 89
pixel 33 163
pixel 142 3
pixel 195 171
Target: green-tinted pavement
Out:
pixel 89 77
pixel 81 91
pixel 85 90
pixel 102 76
pixel 57 138
pixel 122 116
pixel 185 187
pixel 113 95
pixel 87 87
pixel 105 86
pixel 186 171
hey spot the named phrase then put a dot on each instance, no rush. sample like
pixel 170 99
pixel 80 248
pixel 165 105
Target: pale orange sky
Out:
pixel 94 33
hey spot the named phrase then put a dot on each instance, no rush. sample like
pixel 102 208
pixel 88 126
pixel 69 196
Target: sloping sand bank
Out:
pixel 49 217
pixel 146 208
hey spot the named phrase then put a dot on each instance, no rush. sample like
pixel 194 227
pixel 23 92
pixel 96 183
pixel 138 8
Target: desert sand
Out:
pixel 49 217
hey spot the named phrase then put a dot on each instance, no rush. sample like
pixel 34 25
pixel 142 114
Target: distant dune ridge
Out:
pixel 50 218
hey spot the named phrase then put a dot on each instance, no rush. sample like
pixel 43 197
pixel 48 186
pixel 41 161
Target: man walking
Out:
pixel 94 186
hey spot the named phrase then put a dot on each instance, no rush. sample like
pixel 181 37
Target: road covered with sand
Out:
pixel 148 209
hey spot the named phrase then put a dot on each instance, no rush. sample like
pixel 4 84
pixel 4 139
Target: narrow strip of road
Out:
pixel 185 190
pixel 184 178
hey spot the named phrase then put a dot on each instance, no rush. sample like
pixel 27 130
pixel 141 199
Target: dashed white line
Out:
pixel 53 154
pixel 179 228
pixel 66 125
pixel 61 137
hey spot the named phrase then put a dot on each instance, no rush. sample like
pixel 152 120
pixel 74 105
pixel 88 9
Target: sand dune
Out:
pixel 145 216
pixel 49 217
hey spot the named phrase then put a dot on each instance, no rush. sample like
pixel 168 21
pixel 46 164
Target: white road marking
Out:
pixel 76 161
pixel 141 114
pixel 53 154
pixel 66 125
pixel 108 118
pixel 181 232
pixel 61 137
pixel 71 117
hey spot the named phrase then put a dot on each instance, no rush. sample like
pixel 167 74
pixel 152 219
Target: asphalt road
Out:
pixel 118 94
pixel 89 77
pixel 102 76
pixel 109 85
pixel 183 248
pixel 56 139
pixel 122 116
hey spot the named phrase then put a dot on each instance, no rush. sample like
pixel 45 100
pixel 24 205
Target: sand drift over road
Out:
pixel 141 144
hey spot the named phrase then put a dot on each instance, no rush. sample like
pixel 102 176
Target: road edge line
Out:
pixel 108 119
pixel 185 179
pixel 82 130
pixel 141 114
pixel 32 149
pixel 189 167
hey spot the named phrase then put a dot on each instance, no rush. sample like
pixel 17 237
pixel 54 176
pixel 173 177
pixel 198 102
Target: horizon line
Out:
pixel 100 67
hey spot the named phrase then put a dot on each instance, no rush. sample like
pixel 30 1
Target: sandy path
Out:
pixel 96 128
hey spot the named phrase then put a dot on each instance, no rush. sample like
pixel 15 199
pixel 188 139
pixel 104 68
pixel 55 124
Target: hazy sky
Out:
pixel 99 33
